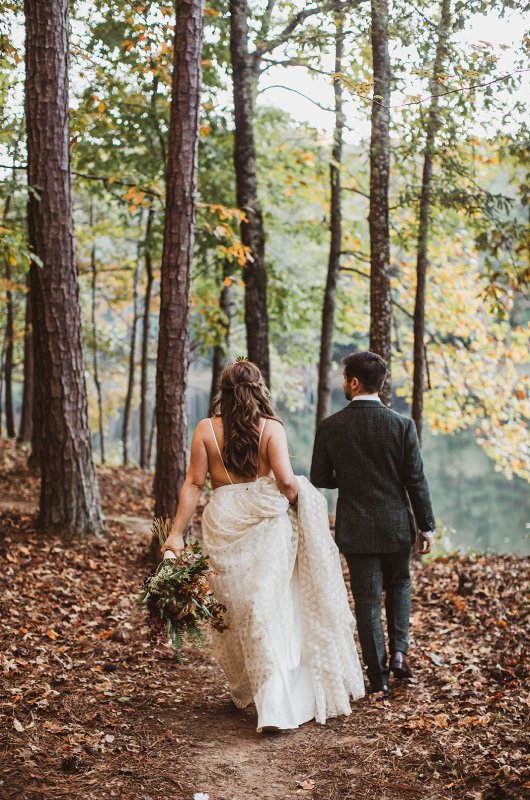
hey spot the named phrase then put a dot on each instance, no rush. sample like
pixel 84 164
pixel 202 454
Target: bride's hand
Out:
pixel 173 543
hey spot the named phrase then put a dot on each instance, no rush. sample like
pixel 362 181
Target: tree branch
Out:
pixel 295 62
pixel 109 180
pixel 291 26
pixel 356 255
pixel 357 191
pixel 301 94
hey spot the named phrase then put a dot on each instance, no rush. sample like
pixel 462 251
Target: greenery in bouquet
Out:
pixel 177 596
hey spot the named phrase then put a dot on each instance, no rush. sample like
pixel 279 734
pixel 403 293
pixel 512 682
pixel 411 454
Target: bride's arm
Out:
pixel 278 455
pixel 190 492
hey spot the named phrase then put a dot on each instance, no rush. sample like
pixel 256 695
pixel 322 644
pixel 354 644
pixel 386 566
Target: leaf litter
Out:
pixel 89 707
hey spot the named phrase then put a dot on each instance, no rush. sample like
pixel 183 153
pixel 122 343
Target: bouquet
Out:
pixel 177 596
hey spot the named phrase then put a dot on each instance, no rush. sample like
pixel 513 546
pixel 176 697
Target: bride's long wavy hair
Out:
pixel 241 401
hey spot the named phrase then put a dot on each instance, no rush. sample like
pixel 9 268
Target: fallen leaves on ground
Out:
pixel 90 709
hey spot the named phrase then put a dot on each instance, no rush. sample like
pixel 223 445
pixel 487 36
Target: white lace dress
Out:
pixel 289 648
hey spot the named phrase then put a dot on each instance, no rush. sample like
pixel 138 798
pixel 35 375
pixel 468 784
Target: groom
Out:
pixel 372 455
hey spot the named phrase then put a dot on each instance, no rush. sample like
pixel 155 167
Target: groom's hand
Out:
pixel 426 540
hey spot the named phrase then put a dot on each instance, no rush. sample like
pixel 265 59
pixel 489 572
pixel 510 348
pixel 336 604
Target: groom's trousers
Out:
pixel 370 574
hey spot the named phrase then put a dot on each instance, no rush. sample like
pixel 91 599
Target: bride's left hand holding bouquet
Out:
pixel 177 596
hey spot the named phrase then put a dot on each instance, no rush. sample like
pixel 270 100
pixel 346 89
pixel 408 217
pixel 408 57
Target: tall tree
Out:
pixel 132 365
pixel 181 183
pixel 422 262
pixel 26 417
pixel 335 226
pixel 8 360
pixel 69 499
pixel 380 291
pixel 220 350
pixel 95 359
pixel 144 367
pixel 244 76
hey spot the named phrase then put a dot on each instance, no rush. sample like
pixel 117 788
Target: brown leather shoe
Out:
pixel 400 667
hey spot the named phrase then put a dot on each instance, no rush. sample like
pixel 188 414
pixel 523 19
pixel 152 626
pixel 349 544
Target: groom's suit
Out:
pixel 372 455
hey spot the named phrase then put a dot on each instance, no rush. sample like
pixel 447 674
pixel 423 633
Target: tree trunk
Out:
pixel 152 432
pixel 181 186
pixel 422 263
pixel 95 367
pixel 132 364
pixel 380 290
pixel 252 231
pixel 69 499
pixel 8 361
pixel 26 419
pixel 144 369
pixel 330 293
pixel 220 351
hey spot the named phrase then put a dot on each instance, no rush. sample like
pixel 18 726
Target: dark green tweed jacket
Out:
pixel 372 455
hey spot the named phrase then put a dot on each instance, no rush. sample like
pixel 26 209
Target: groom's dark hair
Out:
pixel 368 368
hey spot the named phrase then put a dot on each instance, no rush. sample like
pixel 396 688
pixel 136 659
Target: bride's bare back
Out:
pixel 274 459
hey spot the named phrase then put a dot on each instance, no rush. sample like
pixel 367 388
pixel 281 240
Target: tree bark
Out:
pixel 144 369
pixel 8 360
pixel 132 364
pixel 380 290
pixel 220 351
pixel 330 292
pixel 422 259
pixel 26 418
pixel 95 365
pixel 181 186
pixel 252 230
pixel 69 499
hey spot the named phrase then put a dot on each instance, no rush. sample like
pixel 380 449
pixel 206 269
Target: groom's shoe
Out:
pixel 381 693
pixel 400 667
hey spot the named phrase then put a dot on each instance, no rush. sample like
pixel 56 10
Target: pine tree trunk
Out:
pixel 69 499
pixel 8 360
pixel 220 351
pixel 95 365
pixel 380 290
pixel 422 262
pixel 9 336
pixel 181 186
pixel 330 293
pixel 252 230
pixel 26 418
pixel 132 364
pixel 144 369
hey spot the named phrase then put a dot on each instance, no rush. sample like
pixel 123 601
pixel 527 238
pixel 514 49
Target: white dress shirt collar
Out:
pixel 366 397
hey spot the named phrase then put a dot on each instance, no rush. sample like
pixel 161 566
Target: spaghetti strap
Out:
pixel 259 444
pixel 219 451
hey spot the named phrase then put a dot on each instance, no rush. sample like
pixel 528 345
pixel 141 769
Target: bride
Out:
pixel 274 565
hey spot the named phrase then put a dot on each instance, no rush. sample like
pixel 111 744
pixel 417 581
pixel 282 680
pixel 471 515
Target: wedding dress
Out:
pixel 289 647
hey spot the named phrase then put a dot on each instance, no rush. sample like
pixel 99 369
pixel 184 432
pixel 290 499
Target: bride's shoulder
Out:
pixel 274 428
pixel 203 426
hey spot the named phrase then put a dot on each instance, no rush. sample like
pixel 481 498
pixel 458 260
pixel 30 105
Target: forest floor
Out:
pixel 90 709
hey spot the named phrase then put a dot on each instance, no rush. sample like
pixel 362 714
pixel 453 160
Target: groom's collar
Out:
pixel 364 401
